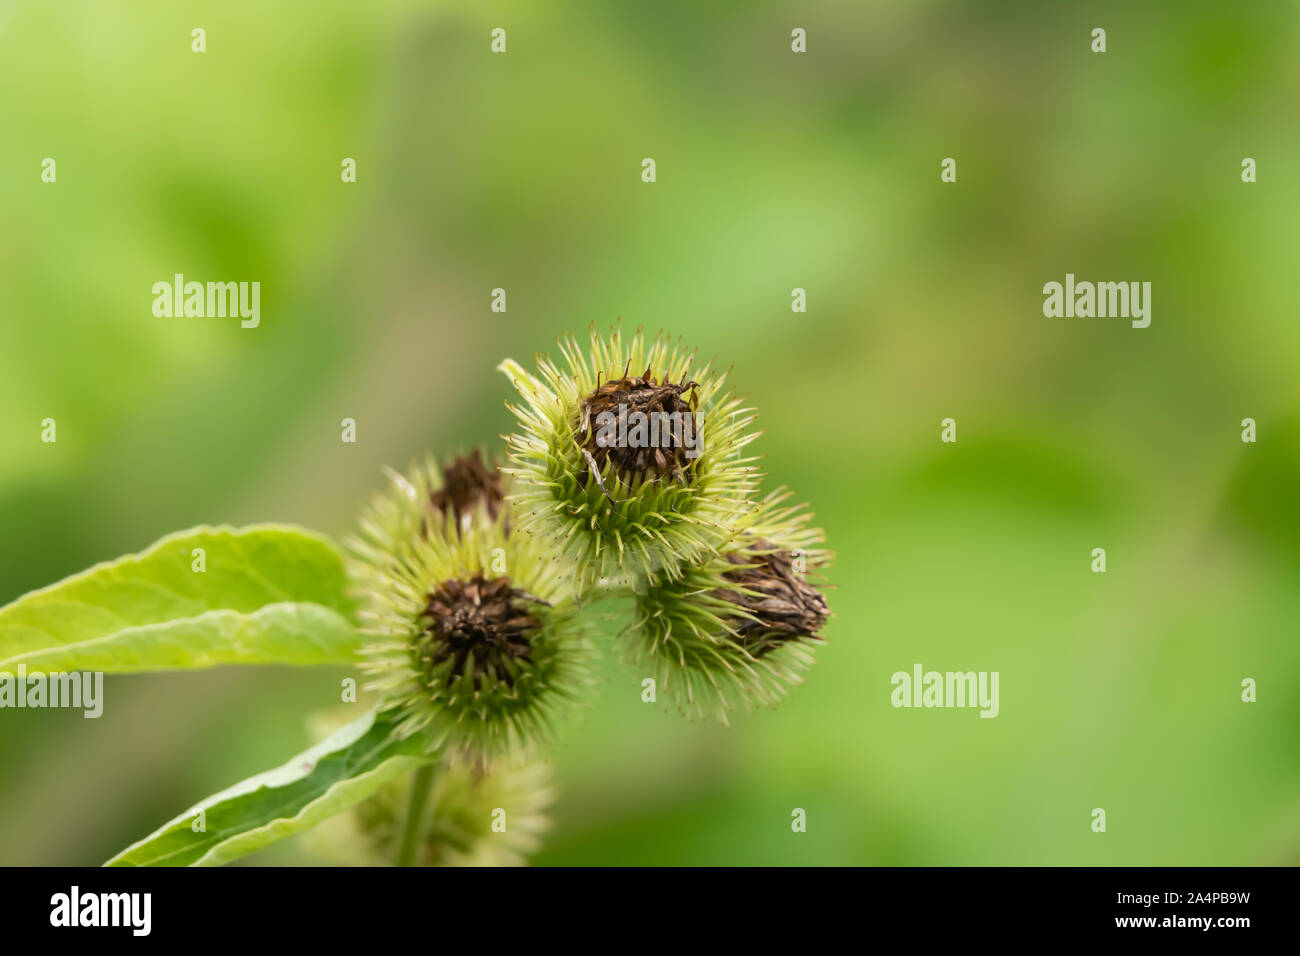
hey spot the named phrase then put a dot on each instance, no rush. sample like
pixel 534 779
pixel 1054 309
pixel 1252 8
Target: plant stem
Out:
pixel 421 784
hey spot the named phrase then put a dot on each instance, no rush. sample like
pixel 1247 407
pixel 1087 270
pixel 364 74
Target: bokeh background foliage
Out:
pixel 775 171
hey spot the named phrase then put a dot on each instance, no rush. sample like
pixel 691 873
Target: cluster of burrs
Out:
pixel 474 578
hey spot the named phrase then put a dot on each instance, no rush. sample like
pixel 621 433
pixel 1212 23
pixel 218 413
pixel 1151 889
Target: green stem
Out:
pixel 421 784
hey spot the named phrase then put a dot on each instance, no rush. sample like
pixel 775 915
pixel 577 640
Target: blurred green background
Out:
pixel 775 171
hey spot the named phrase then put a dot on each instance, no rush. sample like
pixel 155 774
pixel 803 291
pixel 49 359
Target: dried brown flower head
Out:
pixel 780 604
pixel 478 628
pixel 466 483
pixel 625 397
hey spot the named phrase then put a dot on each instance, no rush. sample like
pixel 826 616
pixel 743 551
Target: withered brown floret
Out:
pixel 622 397
pixel 468 483
pixel 780 604
pixel 480 623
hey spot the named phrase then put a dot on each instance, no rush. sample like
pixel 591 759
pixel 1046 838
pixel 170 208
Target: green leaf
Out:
pixel 342 770
pixel 269 594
